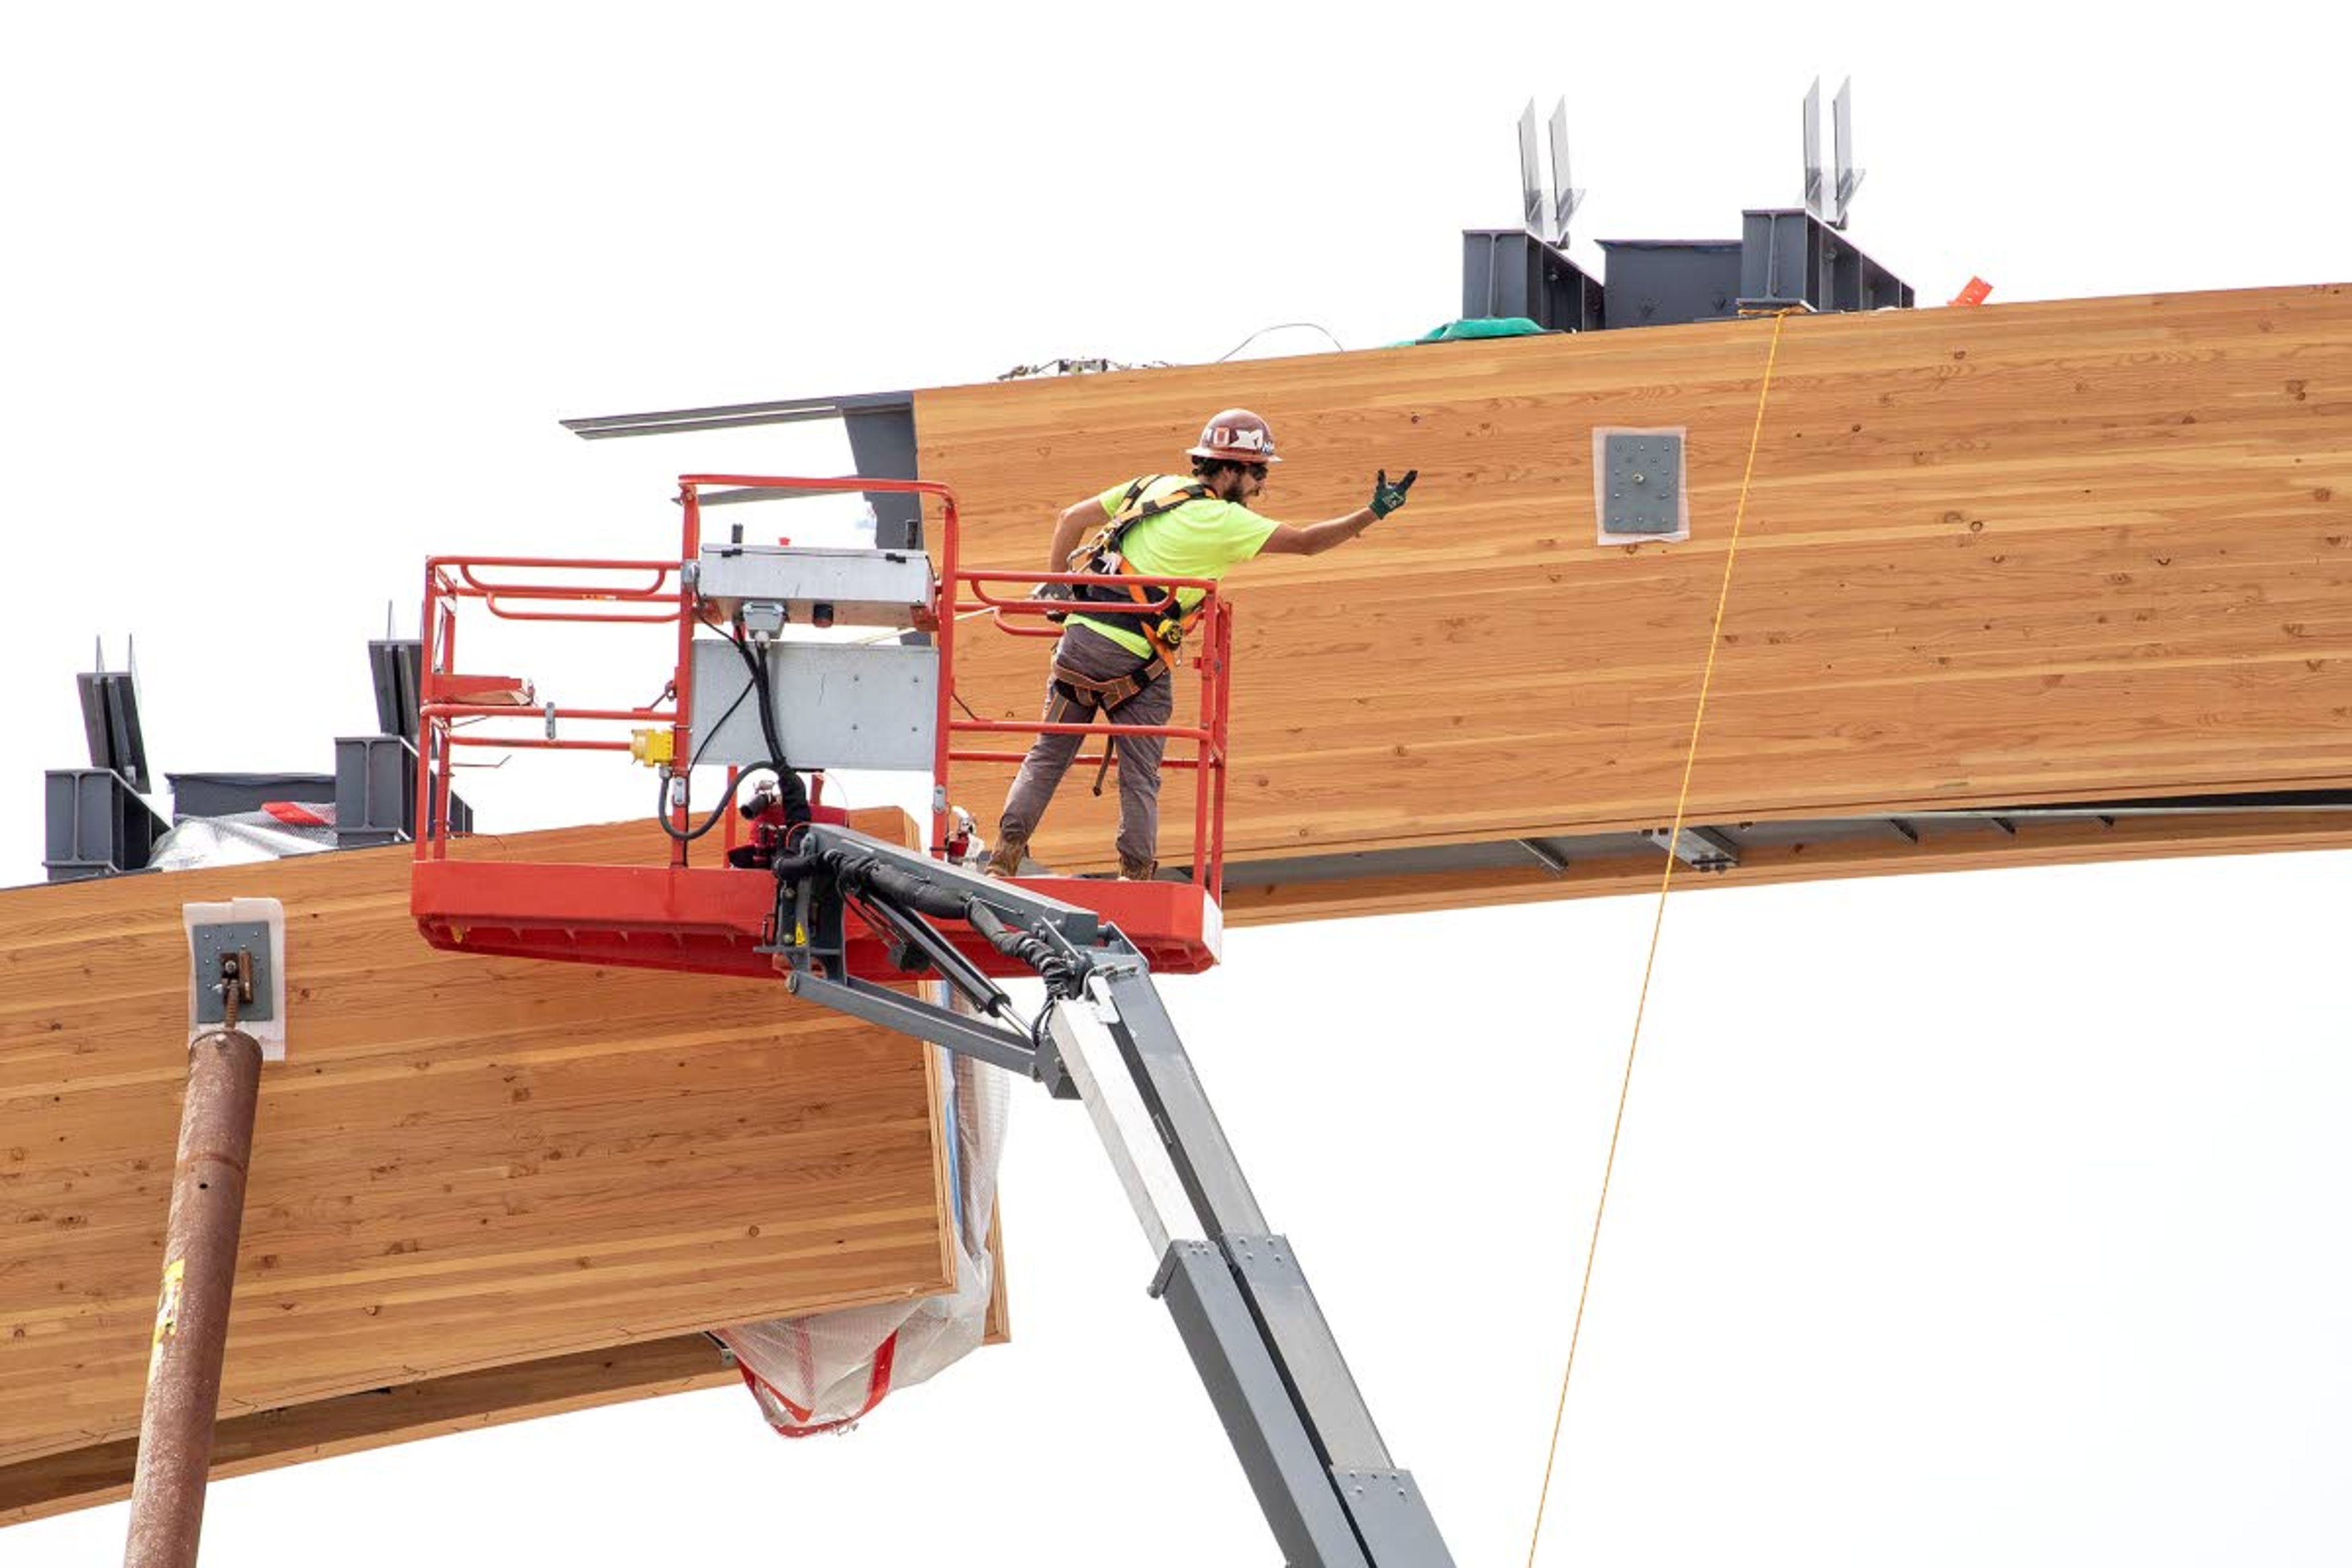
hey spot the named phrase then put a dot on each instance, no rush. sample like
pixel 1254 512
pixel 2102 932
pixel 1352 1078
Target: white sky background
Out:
pixel 1960 1219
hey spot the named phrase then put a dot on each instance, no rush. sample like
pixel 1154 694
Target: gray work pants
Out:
pixel 1098 658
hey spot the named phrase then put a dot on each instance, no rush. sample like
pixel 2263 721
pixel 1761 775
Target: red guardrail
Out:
pixel 642 591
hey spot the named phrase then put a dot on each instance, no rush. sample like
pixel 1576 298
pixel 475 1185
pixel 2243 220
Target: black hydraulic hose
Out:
pixel 795 793
pixel 867 878
pixel 661 810
pixel 1061 974
pixel 896 886
pixel 793 867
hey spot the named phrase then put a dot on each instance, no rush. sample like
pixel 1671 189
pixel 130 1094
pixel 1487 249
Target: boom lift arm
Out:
pixel 847 916
pixel 1325 1481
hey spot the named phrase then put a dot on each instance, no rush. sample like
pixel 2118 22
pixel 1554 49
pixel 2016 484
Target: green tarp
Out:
pixel 1478 327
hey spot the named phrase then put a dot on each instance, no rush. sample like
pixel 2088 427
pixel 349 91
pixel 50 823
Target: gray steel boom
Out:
pixel 1324 1478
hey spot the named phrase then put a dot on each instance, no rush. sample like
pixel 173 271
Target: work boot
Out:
pixel 1004 859
pixel 1131 870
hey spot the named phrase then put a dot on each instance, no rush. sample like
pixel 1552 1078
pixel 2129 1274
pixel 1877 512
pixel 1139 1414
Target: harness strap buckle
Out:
pixel 1105 695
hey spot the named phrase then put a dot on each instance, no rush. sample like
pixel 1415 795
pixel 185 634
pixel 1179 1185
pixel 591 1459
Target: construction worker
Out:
pixel 1157 526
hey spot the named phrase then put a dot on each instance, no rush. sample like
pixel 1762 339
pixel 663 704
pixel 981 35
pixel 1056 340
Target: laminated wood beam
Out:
pixel 403 1413
pixel 375 1418
pixel 466 1164
pixel 2084 550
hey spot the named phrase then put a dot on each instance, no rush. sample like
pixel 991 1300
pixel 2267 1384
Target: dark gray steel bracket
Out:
pixel 95 825
pixel 213 944
pixel 1789 258
pixel 734 416
pixel 1544 855
pixel 1700 848
pixel 881 426
pixel 1509 272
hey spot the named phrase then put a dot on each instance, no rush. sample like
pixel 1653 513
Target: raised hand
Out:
pixel 1387 497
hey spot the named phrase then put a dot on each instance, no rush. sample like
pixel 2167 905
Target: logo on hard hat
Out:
pixel 1236 434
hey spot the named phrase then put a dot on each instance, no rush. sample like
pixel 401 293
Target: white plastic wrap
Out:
pixel 245 839
pixel 822 1371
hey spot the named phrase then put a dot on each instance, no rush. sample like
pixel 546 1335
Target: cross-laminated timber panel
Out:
pixel 2086 550
pixel 472 1178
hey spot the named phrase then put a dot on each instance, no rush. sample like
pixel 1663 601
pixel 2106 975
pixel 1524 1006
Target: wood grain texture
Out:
pixel 375 1418
pixel 101 1473
pixel 2090 549
pixel 465 1163
pixel 1992 557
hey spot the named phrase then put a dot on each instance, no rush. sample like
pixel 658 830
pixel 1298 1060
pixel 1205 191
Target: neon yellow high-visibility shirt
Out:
pixel 1205 538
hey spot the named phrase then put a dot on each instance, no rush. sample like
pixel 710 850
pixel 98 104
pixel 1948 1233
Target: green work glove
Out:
pixel 1387 497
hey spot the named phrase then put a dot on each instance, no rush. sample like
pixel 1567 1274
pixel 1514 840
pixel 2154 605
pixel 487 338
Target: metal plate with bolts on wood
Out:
pixel 214 942
pixel 1640 483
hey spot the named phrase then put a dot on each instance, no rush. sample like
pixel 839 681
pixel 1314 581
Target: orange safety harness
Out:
pixel 1102 555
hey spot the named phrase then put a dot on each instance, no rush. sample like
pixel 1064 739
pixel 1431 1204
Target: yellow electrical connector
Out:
pixel 653 747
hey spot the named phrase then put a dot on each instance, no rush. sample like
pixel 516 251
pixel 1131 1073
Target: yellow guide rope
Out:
pixel 1657 922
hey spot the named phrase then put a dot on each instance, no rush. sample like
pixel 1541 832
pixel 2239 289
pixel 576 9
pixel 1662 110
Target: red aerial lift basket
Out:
pixel 698 913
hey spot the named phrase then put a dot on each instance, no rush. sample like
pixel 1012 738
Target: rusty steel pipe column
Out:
pixel 184 1371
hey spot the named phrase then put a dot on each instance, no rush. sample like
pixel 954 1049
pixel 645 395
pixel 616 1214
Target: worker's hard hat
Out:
pixel 1237 436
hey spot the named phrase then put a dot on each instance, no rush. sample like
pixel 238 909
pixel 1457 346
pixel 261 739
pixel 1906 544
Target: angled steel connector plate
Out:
pixel 1700 848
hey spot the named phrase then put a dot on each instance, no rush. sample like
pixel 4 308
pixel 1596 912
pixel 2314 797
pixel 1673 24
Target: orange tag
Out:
pixel 1974 293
